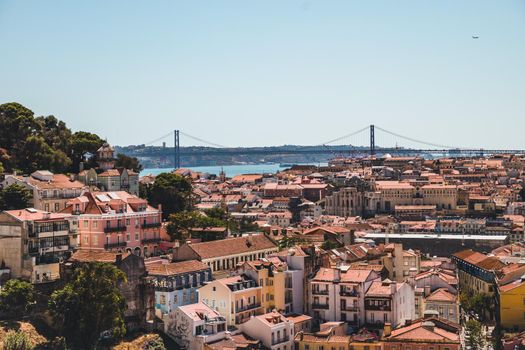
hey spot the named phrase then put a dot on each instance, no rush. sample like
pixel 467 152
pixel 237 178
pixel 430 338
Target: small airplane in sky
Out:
pixel 475 37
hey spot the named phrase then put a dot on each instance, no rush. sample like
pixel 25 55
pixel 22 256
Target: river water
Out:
pixel 229 170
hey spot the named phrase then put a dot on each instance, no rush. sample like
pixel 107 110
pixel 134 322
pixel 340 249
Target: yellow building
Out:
pixel 512 305
pixel 270 275
pixel 235 298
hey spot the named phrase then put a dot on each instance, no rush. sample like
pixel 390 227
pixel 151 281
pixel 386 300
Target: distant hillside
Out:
pixel 160 157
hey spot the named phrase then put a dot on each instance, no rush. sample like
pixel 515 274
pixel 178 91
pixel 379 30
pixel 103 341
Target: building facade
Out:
pixel 33 242
pixel 116 221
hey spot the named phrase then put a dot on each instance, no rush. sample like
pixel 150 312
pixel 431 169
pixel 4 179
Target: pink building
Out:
pixel 116 221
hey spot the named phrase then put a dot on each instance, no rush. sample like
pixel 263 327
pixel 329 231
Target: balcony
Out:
pixel 32 250
pixel 150 225
pixel 60 195
pixel 150 240
pixel 115 229
pixel 350 308
pixel 248 307
pixel 319 292
pixel 280 340
pixel 115 245
pixel 349 293
pixel 320 306
pixel 378 308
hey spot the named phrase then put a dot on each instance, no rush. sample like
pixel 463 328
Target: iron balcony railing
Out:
pixel 248 307
pixel 150 240
pixel 115 245
pixel 349 293
pixel 280 340
pixel 320 306
pixel 151 225
pixel 350 308
pixel 320 291
pixel 112 229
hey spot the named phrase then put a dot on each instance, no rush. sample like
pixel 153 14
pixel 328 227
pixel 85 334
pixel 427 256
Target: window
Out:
pixel 136 236
pixel 95 224
pixel 306 347
pixel 128 238
pixel 127 222
pixel 86 224
pixel 57 206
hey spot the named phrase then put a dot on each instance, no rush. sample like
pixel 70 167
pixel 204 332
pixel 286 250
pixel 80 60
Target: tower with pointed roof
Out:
pixel 106 157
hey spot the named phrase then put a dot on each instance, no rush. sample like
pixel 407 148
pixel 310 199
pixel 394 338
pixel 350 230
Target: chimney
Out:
pixel 387 329
pixel 337 274
pixel 427 291
pixel 393 287
pixel 428 325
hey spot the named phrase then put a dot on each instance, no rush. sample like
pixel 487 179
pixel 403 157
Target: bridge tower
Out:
pixel 372 141
pixel 176 150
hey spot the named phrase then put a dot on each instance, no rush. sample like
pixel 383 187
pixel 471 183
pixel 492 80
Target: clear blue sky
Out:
pixel 270 72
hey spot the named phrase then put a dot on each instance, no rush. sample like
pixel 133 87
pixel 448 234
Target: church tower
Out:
pixel 106 157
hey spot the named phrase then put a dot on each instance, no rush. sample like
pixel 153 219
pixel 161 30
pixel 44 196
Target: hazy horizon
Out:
pixel 256 73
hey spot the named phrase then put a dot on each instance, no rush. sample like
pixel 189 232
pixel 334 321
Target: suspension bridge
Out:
pixel 368 141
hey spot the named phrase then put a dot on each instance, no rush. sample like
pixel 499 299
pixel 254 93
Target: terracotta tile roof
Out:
pixel 419 331
pixel 95 256
pixel 350 276
pixel 442 294
pixel 470 256
pixel 175 268
pixel 490 263
pixel 381 289
pixel 31 214
pixel 60 181
pixel 232 246
pixel 298 318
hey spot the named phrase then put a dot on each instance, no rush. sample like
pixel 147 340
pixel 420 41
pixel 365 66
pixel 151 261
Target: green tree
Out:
pixel 180 223
pixel 36 154
pixel 83 142
pixel 55 133
pixel 328 245
pixel 17 123
pixel 154 344
pixel 16 297
pixel 14 196
pixel 128 162
pixel 289 241
pixel 481 304
pixel 474 335
pixel 172 191
pixel 17 341
pixel 90 304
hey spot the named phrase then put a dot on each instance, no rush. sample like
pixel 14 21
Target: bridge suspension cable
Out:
pixel 414 140
pixel 345 136
pixel 202 140
pixel 159 139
